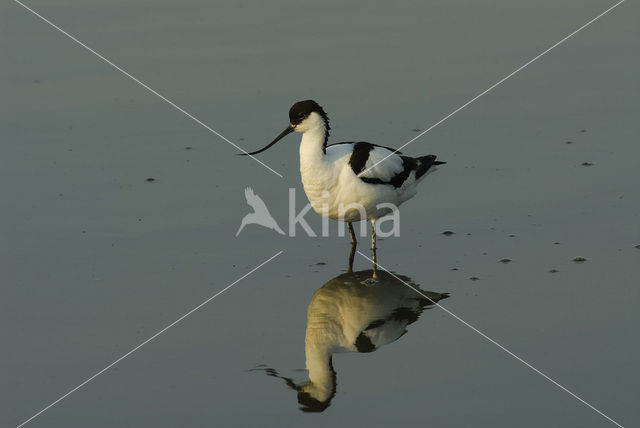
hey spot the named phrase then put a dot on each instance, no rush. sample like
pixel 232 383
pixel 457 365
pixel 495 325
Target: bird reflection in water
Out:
pixel 351 314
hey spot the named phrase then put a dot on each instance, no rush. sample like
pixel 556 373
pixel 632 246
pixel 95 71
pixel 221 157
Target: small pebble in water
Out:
pixel 448 233
pixel 586 164
pixel 568 142
pixel 474 278
pixel 556 243
pixel 416 130
pixel 454 268
pixel 321 263
pixel 505 261
pixel 188 148
pixel 579 260
pixel 638 246
pixel 512 236
pixel 151 179
pixel 583 130
pixel 554 270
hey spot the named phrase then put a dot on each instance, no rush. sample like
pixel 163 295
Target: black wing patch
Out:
pixel 360 156
pixel 364 344
pixel 364 142
pixel 402 314
pixel 408 164
pixel 420 165
pixel 376 324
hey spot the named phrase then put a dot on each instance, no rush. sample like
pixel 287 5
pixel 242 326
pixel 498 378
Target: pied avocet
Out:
pixel 349 181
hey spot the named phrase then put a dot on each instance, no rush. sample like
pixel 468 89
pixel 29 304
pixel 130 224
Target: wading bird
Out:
pixel 351 181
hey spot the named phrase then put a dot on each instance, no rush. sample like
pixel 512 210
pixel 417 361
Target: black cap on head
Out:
pixel 297 113
pixel 302 109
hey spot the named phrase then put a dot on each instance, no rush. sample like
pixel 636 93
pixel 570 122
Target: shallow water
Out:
pixel 97 259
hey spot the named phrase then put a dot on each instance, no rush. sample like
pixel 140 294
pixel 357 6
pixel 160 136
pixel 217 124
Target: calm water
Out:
pixel 96 259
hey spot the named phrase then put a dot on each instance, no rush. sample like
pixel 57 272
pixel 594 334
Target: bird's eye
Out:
pixel 300 115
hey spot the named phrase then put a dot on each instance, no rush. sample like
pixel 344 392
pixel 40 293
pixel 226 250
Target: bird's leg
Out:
pixel 373 246
pixel 354 243
pixel 352 234
pixel 352 254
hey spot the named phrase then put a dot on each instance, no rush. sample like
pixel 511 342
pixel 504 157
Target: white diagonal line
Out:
pixel 149 339
pixel 565 389
pixel 147 87
pixel 496 84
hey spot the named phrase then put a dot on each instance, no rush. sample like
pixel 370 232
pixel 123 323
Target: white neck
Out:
pixel 313 135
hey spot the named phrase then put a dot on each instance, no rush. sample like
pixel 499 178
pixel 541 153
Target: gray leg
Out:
pixel 354 243
pixel 352 254
pixel 352 234
pixel 373 246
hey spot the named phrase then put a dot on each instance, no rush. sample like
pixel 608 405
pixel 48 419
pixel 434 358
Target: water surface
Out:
pixel 96 259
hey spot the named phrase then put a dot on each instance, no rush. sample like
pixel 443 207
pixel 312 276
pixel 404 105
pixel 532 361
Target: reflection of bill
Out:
pixel 260 214
pixel 351 314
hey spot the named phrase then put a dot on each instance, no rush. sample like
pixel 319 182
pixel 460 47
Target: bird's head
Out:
pixel 304 116
pixel 307 115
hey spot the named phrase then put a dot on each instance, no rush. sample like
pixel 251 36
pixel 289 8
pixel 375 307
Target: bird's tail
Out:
pixel 426 162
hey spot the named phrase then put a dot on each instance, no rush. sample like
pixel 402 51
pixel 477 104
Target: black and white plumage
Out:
pixel 359 173
pixel 365 158
pixel 351 181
